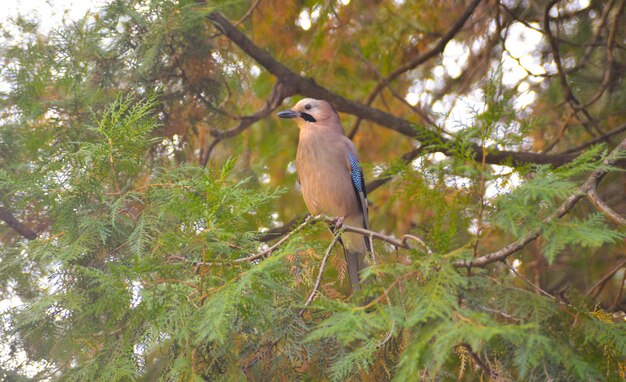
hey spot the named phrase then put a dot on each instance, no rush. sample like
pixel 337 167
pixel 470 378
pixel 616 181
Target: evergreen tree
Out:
pixel 150 228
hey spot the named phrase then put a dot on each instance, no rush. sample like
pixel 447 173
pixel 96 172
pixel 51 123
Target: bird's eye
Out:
pixel 307 106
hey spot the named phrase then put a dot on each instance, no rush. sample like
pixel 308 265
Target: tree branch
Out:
pixel 422 58
pixel 441 45
pixel 279 92
pixel 600 283
pixel 320 274
pixel 432 141
pixel 564 208
pixel 604 208
pixel 619 129
pixel 570 98
pixel 16 225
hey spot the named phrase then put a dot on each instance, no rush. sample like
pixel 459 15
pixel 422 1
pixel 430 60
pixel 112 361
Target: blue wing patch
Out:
pixel 355 173
pixel 359 189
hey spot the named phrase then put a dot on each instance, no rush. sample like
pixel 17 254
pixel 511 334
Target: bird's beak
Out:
pixel 288 114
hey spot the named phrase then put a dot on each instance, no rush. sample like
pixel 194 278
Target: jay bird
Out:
pixel 330 176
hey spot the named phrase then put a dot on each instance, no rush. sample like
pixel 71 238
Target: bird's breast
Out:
pixel 325 179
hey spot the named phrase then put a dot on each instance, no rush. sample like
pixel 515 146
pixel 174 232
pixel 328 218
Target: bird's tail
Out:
pixel 355 247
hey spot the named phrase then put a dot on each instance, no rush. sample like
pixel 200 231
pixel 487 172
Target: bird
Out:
pixel 331 177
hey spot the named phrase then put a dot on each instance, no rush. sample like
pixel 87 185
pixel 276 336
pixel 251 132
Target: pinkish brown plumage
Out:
pixel 331 179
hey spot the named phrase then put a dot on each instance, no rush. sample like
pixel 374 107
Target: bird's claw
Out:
pixel 339 222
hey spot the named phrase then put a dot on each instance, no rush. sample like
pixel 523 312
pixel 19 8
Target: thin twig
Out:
pixel 247 14
pixel 521 276
pixel 268 251
pixel 402 243
pixel 619 129
pixel 562 210
pixel 618 298
pixel 441 45
pixel 610 43
pixel 306 222
pixel 279 92
pixel 600 283
pixel 570 98
pixel 320 273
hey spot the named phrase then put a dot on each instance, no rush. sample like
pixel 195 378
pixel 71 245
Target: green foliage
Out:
pixel 142 268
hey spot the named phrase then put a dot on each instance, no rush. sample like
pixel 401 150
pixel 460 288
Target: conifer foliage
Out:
pixel 150 228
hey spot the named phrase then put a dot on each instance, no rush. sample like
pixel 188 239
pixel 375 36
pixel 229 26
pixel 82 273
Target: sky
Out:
pixel 50 12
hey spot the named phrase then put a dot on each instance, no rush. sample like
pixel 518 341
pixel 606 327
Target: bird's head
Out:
pixel 312 111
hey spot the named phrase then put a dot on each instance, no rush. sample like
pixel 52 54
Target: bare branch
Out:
pixel 600 283
pixel 563 209
pixel 521 276
pixel 570 98
pixel 320 273
pixel 610 133
pixel 248 13
pixel 256 256
pixel 441 45
pixel 308 87
pixel 278 94
pixel 275 232
pixel 401 243
pixel 610 59
pixel 417 61
pixel 604 208
pixel 16 225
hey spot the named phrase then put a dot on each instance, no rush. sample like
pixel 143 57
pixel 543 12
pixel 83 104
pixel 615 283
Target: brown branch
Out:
pixel 600 283
pixel 610 59
pixel 248 13
pixel 604 208
pixel 610 133
pixel 309 220
pixel 527 281
pixel 308 87
pixel 564 208
pixel 422 58
pixel 320 273
pixel 279 92
pixel 16 225
pixel 283 229
pixel 437 49
pixel 399 243
pixel 570 98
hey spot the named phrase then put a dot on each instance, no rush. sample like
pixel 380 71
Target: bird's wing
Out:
pixel 358 183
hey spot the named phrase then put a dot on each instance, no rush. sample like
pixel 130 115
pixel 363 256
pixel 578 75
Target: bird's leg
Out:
pixel 338 223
